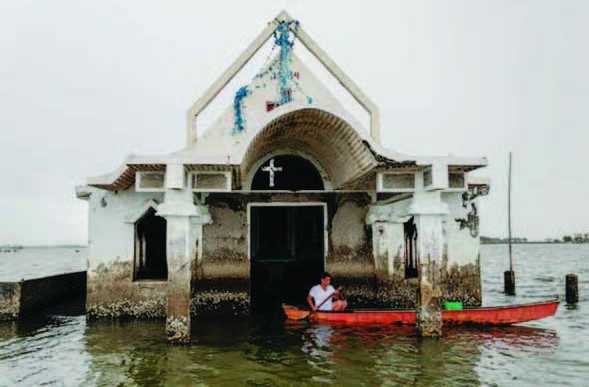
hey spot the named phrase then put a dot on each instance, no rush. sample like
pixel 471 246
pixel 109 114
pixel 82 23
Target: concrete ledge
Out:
pixel 18 300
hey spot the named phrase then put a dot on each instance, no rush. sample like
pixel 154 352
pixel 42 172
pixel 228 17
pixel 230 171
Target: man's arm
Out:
pixel 337 293
pixel 311 302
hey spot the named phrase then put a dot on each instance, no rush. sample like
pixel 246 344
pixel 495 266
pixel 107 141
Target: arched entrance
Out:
pixel 300 151
pixel 286 239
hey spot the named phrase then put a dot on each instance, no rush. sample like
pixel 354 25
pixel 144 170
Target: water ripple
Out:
pixel 67 350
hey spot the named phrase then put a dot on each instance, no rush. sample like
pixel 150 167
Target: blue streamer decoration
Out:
pixel 243 92
pixel 279 70
pixel 282 39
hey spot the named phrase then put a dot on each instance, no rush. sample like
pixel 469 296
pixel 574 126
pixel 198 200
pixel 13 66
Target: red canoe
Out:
pixel 495 315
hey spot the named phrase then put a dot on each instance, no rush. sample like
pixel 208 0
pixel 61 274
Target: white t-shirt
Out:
pixel 319 295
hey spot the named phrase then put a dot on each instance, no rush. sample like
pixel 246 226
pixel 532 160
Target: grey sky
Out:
pixel 82 84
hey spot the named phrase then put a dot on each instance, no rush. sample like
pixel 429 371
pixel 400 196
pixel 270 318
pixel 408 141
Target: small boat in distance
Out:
pixel 494 315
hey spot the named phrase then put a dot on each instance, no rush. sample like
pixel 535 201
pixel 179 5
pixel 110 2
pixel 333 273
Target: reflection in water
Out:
pixel 67 350
pixel 318 347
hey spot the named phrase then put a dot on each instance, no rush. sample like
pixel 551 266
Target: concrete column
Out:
pixel 429 212
pixel 387 237
pixel 179 278
pixel 184 247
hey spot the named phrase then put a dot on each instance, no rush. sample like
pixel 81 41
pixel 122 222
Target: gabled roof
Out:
pixel 314 117
pixel 250 51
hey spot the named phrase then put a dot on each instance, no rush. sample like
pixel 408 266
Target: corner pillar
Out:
pixel 184 246
pixel 429 212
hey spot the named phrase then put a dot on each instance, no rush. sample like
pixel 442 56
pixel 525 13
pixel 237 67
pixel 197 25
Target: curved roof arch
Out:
pixel 329 139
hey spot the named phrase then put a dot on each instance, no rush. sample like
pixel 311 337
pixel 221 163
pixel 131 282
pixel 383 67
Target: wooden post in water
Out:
pixel 572 289
pixel 509 276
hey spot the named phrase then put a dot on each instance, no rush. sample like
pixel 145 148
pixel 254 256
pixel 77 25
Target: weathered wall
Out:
pixel 110 231
pixel 111 290
pixel 349 257
pixel 462 276
pixel 460 267
pixel 9 300
pixel 112 293
pixel 221 281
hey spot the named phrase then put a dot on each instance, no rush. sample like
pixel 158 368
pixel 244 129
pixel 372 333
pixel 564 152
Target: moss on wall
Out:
pixel 9 301
pixel 221 284
pixel 113 294
pixel 463 283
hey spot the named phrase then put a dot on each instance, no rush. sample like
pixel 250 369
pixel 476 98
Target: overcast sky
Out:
pixel 82 84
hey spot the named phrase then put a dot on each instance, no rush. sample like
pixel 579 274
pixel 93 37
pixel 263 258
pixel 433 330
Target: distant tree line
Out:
pixel 491 240
pixel 574 238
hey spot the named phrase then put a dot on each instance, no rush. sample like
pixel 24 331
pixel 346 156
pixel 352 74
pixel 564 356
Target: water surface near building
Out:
pixel 41 261
pixel 63 349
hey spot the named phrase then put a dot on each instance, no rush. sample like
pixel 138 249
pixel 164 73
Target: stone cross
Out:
pixel 271 169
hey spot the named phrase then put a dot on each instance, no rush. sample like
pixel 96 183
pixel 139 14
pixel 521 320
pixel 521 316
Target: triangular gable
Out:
pixel 261 105
pixel 245 57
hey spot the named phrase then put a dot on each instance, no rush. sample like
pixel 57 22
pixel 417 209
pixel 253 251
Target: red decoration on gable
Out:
pixel 271 105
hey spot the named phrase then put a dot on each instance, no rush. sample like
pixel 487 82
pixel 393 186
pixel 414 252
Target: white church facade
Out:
pixel 284 185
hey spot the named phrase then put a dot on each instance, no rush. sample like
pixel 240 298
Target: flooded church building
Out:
pixel 284 185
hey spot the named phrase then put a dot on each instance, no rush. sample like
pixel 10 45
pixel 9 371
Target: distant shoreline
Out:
pixel 533 243
pixel 37 246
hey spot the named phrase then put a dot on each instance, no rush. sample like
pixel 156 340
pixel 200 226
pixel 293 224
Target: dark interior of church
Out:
pixel 150 247
pixel 287 254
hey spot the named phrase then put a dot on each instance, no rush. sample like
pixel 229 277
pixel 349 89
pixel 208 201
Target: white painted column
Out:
pixel 184 247
pixel 429 211
pixel 388 240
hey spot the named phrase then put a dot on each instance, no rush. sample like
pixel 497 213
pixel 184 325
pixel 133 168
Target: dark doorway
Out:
pixel 287 173
pixel 287 255
pixel 411 256
pixel 150 247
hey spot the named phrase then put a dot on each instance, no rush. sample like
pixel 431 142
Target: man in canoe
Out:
pixel 324 297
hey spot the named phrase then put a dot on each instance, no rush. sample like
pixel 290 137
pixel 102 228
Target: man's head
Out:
pixel 325 279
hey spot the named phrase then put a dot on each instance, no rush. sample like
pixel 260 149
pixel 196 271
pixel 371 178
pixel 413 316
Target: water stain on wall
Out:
pixel 113 294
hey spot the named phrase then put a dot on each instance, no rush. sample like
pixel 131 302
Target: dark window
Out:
pixel 287 173
pixel 150 247
pixel 411 254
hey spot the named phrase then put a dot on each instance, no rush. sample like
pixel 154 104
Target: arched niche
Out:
pixel 150 247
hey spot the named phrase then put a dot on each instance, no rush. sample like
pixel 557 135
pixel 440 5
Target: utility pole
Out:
pixel 509 276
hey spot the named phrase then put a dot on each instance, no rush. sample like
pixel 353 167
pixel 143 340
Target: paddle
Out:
pixel 306 314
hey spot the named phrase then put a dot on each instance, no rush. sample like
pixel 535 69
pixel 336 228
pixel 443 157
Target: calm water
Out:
pixel 67 350
pixel 37 262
